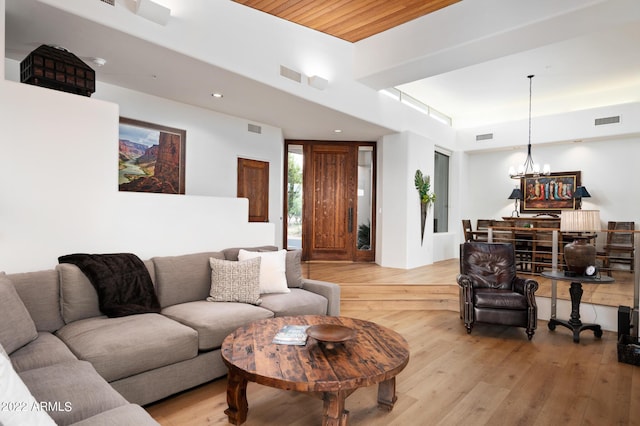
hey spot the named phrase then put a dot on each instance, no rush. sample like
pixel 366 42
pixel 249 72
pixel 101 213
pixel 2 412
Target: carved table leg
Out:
pixel 575 324
pixel 236 399
pixel 576 296
pixel 334 413
pixel 387 394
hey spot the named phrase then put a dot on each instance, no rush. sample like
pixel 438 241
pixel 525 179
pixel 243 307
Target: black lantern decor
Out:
pixel 57 68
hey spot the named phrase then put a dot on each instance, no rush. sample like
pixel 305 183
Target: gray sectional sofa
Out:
pixel 92 370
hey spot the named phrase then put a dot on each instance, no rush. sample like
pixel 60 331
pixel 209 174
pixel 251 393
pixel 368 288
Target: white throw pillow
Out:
pixel 273 267
pixel 19 407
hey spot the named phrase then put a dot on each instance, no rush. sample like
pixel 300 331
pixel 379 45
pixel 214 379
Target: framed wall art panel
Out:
pixel 151 157
pixel 549 194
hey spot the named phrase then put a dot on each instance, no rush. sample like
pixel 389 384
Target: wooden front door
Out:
pixel 253 184
pixel 330 175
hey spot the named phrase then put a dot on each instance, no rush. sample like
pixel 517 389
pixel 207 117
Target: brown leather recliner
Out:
pixel 490 291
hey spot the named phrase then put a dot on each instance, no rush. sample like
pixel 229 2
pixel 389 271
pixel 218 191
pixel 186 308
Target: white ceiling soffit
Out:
pixel 584 55
pixel 149 68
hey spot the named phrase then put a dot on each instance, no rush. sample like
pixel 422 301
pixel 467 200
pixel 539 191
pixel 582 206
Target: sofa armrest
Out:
pixel 330 291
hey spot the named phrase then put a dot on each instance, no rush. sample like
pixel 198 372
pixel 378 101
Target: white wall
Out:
pixel 399 243
pixel 59 190
pixel 214 142
pixel 606 156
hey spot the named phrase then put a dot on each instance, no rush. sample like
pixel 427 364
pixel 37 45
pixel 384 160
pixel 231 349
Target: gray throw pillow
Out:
pixel 16 326
pixel 235 281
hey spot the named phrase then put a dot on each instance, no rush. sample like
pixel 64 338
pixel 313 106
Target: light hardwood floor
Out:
pixel 494 376
pixel 370 286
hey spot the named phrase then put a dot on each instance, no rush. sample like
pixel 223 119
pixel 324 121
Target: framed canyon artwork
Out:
pixel 549 194
pixel 150 157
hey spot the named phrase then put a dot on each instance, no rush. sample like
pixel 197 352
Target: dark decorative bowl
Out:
pixel 330 334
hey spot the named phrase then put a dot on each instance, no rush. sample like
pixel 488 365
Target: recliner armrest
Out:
pixel 525 286
pixel 465 281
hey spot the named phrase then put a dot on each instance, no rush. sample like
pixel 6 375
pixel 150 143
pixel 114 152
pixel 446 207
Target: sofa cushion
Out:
pixel 16 326
pixel 19 407
pixel 235 281
pixel 273 264
pixel 185 278
pixel 215 320
pixel 124 346
pixel 78 297
pixel 121 280
pixel 46 350
pixel 232 253
pixel 294 268
pixel 40 292
pixel 298 302
pixel 71 391
pixel 125 415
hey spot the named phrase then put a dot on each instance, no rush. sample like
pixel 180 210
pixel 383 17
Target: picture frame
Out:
pixel 549 194
pixel 151 157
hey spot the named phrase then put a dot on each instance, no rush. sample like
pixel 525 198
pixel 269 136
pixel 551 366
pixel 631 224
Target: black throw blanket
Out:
pixel 122 281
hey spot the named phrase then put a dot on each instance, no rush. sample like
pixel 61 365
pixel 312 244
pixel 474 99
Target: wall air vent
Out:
pixel 290 74
pixel 607 120
pixel 484 137
pixel 111 2
pixel 254 128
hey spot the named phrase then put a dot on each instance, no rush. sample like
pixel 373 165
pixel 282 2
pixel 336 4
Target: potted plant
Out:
pixel 423 185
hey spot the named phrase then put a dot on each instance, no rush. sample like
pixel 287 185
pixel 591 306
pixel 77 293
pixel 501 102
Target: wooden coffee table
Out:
pixel 374 356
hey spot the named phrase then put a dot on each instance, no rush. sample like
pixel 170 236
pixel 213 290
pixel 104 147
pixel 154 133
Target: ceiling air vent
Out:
pixel 484 137
pixel 254 128
pixel 290 74
pixel 607 120
pixel 111 2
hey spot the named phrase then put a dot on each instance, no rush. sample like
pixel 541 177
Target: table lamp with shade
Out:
pixel 516 195
pixel 579 254
pixel 580 193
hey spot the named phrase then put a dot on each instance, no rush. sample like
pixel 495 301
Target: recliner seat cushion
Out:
pixel 215 320
pixel 498 299
pixel 125 346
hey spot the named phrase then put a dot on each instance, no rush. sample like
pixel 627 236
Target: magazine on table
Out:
pixel 291 335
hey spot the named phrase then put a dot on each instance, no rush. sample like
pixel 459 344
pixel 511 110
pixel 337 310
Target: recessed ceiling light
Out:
pixel 217 95
pixel 99 61
pixel 337 131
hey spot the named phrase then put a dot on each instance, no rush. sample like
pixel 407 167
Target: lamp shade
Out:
pixel 581 192
pixel 516 194
pixel 579 254
pixel 580 221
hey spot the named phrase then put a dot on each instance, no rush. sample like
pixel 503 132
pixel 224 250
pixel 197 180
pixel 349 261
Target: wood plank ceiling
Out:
pixel 350 20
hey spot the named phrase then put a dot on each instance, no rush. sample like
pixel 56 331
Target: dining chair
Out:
pixel 620 246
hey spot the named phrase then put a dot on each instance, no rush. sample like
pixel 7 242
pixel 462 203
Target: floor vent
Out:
pixel 484 137
pixel 254 128
pixel 111 2
pixel 290 74
pixel 607 120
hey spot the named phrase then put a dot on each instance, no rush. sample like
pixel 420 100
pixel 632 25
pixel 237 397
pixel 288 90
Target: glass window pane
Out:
pixel 441 189
pixel 294 197
pixel 365 197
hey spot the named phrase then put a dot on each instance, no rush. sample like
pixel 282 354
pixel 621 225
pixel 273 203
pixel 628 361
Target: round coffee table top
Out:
pixel 375 354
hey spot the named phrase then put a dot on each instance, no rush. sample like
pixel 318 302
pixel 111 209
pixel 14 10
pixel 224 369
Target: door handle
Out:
pixel 350 219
